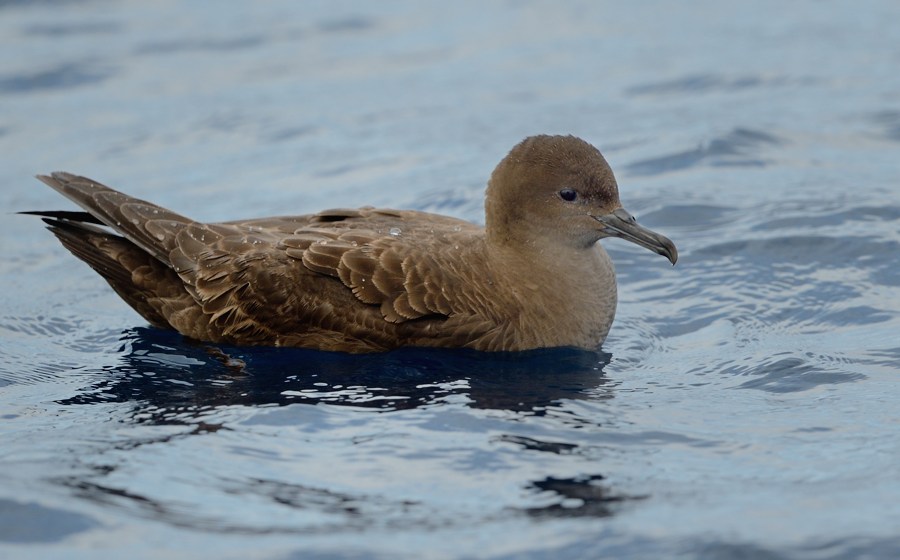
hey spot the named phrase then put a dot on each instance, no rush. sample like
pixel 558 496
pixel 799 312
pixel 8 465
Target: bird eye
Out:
pixel 568 195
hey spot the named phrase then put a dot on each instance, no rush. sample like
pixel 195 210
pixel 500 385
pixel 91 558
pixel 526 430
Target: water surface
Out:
pixel 744 406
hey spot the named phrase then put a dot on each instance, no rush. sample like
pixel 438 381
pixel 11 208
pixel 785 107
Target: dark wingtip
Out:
pixel 55 178
pixel 67 215
pixel 46 179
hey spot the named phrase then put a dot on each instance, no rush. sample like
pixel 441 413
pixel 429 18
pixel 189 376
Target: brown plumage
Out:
pixel 367 279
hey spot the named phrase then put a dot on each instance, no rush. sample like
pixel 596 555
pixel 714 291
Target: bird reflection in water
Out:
pixel 171 381
pixel 168 381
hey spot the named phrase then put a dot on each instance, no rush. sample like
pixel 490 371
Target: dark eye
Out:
pixel 568 195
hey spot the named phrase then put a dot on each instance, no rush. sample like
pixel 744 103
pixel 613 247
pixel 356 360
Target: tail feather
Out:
pixel 83 217
pixel 150 227
pixel 115 258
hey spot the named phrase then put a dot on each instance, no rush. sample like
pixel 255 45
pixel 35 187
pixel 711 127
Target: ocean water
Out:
pixel 744 406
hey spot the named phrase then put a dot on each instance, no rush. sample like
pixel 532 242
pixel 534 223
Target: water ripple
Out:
pixel 181 46
pixel 58 77
pixel 56 30
pixel 737 148
pixel 34 523
pixel 889 123
pixel 704 83
pixel 789 374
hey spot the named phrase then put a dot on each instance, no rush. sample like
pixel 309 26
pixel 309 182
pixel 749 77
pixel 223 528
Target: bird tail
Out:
pixel 127 268
pixel 147 225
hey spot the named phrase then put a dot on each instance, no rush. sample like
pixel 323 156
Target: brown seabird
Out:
pixel 367 279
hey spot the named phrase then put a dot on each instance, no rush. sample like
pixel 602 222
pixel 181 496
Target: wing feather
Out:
pixel 243 274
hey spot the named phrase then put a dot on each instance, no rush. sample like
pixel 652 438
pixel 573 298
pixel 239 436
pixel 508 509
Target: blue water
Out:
pixel 744 406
